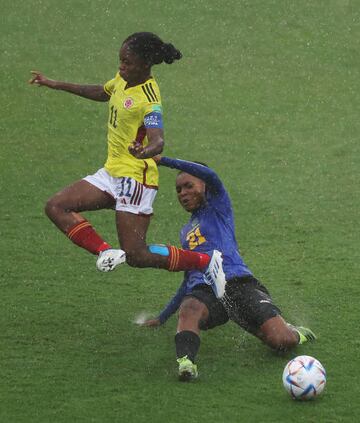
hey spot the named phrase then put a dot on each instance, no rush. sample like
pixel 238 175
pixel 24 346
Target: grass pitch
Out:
pixel 267 94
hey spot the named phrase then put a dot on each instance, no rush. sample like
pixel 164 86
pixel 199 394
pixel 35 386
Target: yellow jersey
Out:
pixel 128 110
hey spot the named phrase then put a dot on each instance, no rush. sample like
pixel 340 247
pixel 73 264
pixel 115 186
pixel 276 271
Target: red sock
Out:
pixel 84 235
pixel 180 260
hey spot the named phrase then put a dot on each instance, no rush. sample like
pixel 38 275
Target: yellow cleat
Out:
pixel 187 369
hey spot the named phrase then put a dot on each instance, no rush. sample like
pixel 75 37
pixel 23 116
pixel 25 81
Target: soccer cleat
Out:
pixel 109 259
pixel 187 369
pixel 305 334
pixel 215 276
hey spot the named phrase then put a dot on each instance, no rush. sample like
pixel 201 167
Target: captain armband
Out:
pixel 153 120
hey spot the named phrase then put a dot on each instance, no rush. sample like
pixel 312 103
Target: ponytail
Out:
pixel 170 53
pixel 152 49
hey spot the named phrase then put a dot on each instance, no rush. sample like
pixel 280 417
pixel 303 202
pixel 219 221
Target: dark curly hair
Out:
pixel 152 49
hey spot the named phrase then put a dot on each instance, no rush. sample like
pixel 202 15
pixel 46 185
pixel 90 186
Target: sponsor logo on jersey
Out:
pixel 128 103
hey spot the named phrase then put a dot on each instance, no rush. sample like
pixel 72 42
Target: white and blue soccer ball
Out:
pixel 304 377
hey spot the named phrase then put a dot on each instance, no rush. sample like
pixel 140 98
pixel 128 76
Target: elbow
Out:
pixel 161 146
pixel 104 98
pixel 156 148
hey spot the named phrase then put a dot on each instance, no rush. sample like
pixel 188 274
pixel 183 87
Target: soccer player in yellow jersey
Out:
pixel 129 179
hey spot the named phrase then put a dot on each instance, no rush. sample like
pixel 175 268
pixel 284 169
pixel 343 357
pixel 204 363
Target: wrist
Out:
pixel 147 153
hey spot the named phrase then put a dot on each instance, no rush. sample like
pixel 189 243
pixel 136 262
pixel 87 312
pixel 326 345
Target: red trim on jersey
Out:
pixel 144 172
pixel 141 134
pixel 151 186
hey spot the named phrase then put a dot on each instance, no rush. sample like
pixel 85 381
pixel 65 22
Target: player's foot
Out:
pixel 187 369
pixel 305 334
pixel 215 276
pixel 109 259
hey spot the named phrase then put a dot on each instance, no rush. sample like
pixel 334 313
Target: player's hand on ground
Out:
pixel 39 79
pixel 151 323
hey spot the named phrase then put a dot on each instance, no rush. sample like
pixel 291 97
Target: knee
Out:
pixel 278 335
pixel 191 309
pixel 139 255
pixel 51 207
pixel 136 257
pixel 281 341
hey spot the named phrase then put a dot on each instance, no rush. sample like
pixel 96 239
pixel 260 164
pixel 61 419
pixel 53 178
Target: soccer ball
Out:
pixel 304 377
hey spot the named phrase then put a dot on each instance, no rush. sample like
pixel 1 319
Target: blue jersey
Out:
pixel 210 227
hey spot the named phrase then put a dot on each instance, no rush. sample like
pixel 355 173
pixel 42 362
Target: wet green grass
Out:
pixel 267 94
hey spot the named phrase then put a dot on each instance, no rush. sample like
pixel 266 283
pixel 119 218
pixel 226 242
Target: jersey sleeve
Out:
pixel 202 172
pixel 109 86
pixel 216 192
pixel 153 116
pixel 152 110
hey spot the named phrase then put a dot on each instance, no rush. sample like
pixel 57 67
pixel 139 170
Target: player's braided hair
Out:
pixel 152 49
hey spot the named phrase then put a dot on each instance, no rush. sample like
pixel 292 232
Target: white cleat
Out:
pixel 109 259
pixel 215 276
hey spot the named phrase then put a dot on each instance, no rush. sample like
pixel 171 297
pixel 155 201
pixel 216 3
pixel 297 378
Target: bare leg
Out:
pixel 187 340
pixel 132 229
pixel 191 313
pixel 64 207
pixel 278 335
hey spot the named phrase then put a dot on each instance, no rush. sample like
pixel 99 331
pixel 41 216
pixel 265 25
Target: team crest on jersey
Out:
pixel 128 103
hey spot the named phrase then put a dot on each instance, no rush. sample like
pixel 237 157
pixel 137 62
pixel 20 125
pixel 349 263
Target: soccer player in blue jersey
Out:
pixel 236 294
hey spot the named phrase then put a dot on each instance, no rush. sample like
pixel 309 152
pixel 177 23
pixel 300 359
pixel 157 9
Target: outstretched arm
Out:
pixel 174 303
pixel 211 179
pixel 92 92
pixel 170 308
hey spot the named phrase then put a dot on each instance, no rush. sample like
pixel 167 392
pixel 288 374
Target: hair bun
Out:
pixel 151 48
pixel 170 53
